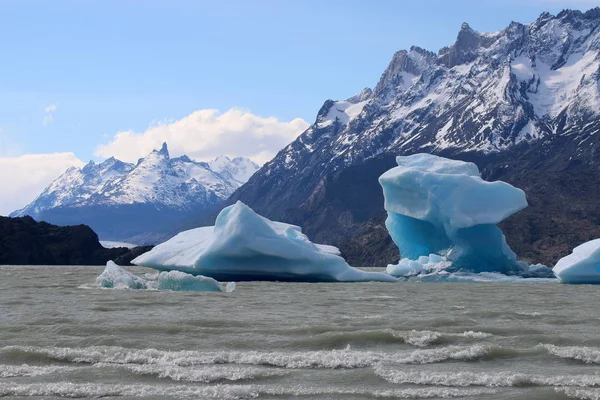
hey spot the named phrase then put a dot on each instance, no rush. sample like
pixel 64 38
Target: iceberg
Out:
pixel 244 246
pixel 442 207
pixel 582 266
pixel 115 277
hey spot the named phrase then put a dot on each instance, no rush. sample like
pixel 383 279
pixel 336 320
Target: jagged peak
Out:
pixel 592 13
pixel 183 158
pixel 466 27
pixel 362 96
pixel 164 150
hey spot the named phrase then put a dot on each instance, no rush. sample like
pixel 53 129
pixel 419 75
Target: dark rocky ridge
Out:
pixel 23 241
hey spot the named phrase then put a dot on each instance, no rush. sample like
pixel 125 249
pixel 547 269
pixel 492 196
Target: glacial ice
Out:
pixel 442 207
pixel 244 246
pixel 115 277
pixel 582 266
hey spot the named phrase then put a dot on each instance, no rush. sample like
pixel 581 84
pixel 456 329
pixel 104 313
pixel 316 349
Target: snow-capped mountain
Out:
pixel 113 196
pixel 525 97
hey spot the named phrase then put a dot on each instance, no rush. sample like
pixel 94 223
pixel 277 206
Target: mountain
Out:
pixel 522 103
pixel 138 202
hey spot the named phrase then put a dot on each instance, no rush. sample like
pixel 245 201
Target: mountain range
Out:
pixel 138 203
pixel 522 103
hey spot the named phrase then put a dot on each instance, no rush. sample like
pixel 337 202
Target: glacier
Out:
pixel 582 266
pixel 115 277
pixel 244 246
pixel 442 216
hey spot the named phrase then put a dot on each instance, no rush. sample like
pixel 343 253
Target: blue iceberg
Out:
pixel 115 277
pixel 438 206
pixel 582 266
pixel 244 246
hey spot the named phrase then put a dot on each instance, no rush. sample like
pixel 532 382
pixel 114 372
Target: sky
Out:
pixel 86 80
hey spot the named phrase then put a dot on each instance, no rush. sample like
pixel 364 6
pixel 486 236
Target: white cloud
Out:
pixel 49 116
pixel 23 178
pixel 205 134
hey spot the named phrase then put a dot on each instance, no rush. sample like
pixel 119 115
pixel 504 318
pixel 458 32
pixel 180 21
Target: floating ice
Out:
pixel 582 266
pixel 244 246
pixel 117 278
pixel 441 206
pixel 177 280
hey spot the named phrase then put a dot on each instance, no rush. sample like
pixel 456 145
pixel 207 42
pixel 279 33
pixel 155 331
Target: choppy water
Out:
pixel 316 341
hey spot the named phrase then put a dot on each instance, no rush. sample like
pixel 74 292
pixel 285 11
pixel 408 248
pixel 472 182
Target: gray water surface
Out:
pixel 60 337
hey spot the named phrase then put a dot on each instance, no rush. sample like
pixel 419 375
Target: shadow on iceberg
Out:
pixel 244 246
pixel 442 216
pixel 115 277
pixel 582 266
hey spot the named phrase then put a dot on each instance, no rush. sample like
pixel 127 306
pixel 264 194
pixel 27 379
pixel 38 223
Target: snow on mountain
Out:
pixel 528 94
pixel 114 193
pixel 239 169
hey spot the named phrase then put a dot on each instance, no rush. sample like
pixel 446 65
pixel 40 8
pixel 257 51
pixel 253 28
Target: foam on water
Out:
pixel 491 379
pixel 13 371
pixel 205 374
pixel 427 338
pixel 333 359
pixel 581 394
pixel 68 389
pixel 588 355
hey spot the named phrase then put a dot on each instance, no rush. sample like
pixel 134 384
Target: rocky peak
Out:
pixel 362 96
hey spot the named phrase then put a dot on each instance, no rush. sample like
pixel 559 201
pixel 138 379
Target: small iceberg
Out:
pixel 244 246
pixel 442 216
pixel 115 277
pixel 582 266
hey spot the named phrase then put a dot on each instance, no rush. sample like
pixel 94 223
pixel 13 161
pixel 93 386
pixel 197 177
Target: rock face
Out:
pixel 138 203
pixel 522 103
pixel 24 241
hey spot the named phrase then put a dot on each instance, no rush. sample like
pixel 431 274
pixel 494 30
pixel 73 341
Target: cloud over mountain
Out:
pixel 206 134
pixel 24 177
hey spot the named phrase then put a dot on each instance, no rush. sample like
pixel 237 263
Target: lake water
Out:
pixel 61 338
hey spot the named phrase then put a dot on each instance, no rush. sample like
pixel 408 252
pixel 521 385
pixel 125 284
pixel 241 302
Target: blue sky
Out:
pixel 75 73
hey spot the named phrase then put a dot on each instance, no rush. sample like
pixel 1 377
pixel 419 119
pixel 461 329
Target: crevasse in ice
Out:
pixel 244 246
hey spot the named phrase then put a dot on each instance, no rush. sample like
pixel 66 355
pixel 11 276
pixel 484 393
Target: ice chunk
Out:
pixel 582 266
pixel 116 277
pixel 244 246
pixel 424 265
pixel 177 280
pixel 441 206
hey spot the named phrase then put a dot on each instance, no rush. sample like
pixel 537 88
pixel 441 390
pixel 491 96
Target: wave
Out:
pixel 589 355
pixel 491 379
pixel 427 338
pixel 581 394
pixel 68 389
pixel 333 359
pixel 207 374
pixel 14 371
pixel 416 338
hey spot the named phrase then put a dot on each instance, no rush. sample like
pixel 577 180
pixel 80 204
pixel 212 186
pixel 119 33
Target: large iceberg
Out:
pixel 582 266
pixel 244 246
pixel 115 277
pixel 437 206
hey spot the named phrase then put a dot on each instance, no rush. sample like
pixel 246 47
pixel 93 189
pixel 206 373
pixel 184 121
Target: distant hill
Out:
pixel 23 241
